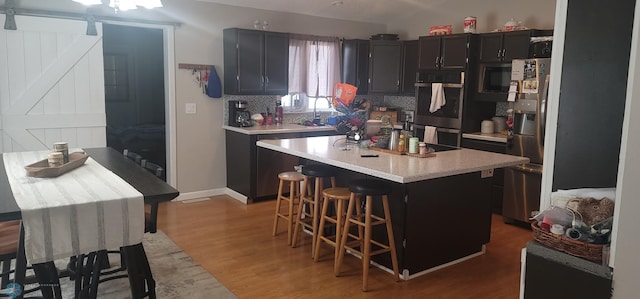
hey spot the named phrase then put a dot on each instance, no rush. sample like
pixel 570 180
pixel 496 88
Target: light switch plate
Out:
pixel 487 173
pixel 190 108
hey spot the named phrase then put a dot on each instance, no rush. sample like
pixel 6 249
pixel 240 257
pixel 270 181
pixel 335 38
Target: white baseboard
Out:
pixel 236 195
pixel 213 192
pixel 405 273
pixel 200 194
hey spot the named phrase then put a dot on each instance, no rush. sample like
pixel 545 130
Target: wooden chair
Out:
pixel 156 169
pixel 339 196
pixel 46 273
pixel 368 188
pixel 315 173
pixel 294 179
pixel 132 156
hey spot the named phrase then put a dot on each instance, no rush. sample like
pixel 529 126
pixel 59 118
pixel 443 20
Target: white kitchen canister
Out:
pixel 486 127
pixel 470 24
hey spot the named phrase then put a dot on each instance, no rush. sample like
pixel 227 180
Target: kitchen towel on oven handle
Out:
pixel 430 135
pixel 437 97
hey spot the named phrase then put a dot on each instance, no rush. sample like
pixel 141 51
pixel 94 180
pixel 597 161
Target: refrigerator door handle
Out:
pixel 543 108
pixel 529 169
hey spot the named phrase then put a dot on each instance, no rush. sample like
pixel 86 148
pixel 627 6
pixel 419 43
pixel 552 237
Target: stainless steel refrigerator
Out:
pixel 526 119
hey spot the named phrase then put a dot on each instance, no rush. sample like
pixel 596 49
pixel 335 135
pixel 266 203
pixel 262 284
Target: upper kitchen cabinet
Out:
pixel 410 57
pixel 447 52
pixel 255 62
pixel 505 46
pixel 385 58
pixel 355 64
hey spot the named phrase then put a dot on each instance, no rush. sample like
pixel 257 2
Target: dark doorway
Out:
pixel 134 92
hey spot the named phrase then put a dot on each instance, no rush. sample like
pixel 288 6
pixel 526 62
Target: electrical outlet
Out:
pixel 487 173
pixel 408 116
pixel 190 108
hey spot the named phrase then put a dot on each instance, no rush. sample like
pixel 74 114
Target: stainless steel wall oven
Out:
pixel 449 115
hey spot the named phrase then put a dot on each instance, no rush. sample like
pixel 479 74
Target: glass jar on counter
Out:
pixel 413 145
pixel 422 148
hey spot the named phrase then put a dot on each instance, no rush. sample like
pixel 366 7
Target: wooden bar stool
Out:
pixel 339 196
pixel 46 273
pixel 317 173
pixel 293 178
pixel 368 188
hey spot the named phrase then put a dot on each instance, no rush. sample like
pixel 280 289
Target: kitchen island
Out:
pixel 440 206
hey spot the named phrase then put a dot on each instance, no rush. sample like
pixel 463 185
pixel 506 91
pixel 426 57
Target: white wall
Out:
pixel 626 240
pixel 490 15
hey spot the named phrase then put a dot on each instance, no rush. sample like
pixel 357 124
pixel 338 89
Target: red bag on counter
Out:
pixel 343 94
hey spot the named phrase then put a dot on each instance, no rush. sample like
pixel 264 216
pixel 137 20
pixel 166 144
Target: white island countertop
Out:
pixel 278 129
pixel 397 168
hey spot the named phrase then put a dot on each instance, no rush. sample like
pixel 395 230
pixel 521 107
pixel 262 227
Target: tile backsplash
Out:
pixel 260 103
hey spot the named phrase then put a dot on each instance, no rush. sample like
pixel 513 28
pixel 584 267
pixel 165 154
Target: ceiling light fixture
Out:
pixel 123 5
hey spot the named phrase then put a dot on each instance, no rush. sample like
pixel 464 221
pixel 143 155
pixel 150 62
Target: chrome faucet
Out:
pixel 316 115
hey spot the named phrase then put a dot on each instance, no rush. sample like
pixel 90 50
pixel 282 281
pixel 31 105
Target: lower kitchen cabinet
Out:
pixel 253 171
pixel 552 274
pixel 497 186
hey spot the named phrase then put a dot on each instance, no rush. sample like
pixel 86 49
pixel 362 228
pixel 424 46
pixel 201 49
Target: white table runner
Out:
pixel 87 209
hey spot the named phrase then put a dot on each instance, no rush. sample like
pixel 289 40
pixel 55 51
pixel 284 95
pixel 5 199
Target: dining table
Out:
pixel 153 191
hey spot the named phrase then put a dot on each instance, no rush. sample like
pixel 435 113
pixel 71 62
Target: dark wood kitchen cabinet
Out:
pixel 385 58
pixel 253 171
pixel 448 52
pixel 355 64
pixel 410 56
pixel 497 182
pixel 505 46
pixel 255 62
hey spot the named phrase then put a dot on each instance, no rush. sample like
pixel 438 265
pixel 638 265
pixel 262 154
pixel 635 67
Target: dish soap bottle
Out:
pixel 401 144
pixel 279 112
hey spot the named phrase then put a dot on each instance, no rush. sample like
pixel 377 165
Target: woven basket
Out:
pixel 592 252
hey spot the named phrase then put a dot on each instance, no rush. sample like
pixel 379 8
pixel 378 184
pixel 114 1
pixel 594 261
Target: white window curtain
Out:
pixel 314 65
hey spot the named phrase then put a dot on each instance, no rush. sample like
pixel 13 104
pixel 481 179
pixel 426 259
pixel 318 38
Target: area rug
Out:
pixel 176 275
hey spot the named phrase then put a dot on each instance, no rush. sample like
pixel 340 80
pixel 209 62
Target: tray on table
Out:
pixel 41 168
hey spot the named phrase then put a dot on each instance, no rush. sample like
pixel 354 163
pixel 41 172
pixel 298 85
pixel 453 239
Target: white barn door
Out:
pixel 51 85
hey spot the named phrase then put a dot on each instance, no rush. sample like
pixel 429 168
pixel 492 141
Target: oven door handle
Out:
pixel 445 85
pixel 439 129
pixel 448 130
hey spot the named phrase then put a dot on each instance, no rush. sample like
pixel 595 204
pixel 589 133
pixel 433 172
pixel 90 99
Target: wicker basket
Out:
pixel 592 252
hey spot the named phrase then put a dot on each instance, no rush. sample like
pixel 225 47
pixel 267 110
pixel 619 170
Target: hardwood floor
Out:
pixel 233 242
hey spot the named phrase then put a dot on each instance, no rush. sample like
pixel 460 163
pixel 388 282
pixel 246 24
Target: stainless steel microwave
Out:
pixel 493 81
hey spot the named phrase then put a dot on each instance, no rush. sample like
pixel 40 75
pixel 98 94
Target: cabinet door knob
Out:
pixel 499 50
pixel 441 61
pixel 503 51
pixel 266 80
pixel 437 58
